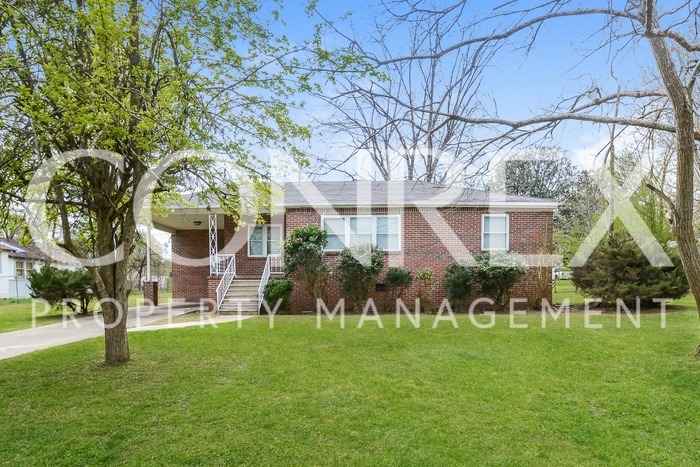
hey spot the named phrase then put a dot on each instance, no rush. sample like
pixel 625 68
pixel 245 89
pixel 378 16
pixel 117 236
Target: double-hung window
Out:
pixel 264 240
pixel 335 226
pixel 383 231
pixel 360 230
pixel 494 232
pixel 388 233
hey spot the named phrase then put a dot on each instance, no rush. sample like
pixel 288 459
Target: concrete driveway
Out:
pixel 17 343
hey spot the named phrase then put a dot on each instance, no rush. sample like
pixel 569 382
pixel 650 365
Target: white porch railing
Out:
pixel 275 264
pixel 220 264
pixel 263 281
pixel 228 275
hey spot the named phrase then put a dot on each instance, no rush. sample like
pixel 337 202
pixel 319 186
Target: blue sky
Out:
pixel 520 85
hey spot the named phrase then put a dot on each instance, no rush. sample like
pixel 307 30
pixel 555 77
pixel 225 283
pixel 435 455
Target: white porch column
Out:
pixel 213 243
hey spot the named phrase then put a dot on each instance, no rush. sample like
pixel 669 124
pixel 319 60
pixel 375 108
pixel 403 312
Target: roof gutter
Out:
pixel 553 206
pixel 526 205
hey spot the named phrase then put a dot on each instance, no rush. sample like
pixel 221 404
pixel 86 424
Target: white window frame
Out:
pixel 346 220
pixel 400 232
pixel 483 230
pixel 346 227
pixel 266 230
pixel 24 271
pixel 372 227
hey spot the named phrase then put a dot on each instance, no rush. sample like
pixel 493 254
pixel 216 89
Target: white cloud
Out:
pixel 590 149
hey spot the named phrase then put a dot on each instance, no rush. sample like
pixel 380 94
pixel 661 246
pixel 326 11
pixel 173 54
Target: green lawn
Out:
pixel 564 289
pixel 299 395
pixel 17 314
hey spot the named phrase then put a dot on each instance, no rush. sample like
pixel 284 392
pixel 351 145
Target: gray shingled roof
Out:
pixel 407 193
pixel 382 193
pixel 17 251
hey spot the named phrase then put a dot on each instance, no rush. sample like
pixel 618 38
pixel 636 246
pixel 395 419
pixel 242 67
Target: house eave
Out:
pixel 519 206
pixel 175 219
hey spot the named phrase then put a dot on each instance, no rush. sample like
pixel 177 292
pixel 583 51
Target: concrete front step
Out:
pixel 252 304
pixel 248 303
pixel 245 308
pixel 244 288
pixel 233 294
pixel 242 293
pixel 245 295
pixel 235 312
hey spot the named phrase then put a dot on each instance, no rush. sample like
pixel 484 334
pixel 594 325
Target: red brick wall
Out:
pixel 421 248
pixel 150 292
pixel 212 284
pixel 233 240
pixel 190 281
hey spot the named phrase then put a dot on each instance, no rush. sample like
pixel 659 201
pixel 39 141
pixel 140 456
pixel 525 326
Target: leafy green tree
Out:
pixel 140 80
pixel 544 172
pixel 303 259
pixel 618 269
pixel 541 172
pixel 584 204
pixel 458 282
pixel 12 226
pixel 358 269
pixel 497 272
pixel 654 214
pixel 56 285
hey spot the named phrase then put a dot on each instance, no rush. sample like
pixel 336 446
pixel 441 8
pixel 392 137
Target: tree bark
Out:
pixel 116 340
pixel 685 147
pixel 111 289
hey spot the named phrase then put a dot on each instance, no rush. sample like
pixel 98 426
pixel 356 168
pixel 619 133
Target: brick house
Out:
pixel 417 224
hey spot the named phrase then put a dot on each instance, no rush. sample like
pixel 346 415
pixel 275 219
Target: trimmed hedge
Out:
pixel 277 289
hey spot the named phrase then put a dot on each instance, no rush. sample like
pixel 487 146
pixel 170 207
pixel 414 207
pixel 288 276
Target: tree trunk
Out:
pixel 685 148
pixel 112 290
pixel 116 340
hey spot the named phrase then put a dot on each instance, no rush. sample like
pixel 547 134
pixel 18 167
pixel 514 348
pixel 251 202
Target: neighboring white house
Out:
pixel 16 262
